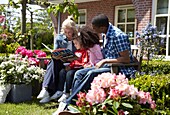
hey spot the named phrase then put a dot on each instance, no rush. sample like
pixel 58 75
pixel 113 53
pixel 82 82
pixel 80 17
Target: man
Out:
pixel 116 49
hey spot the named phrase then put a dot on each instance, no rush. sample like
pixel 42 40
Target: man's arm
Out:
pixel 124 58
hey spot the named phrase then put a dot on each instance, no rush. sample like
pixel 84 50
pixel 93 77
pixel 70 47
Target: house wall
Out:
pixel 143 10
pixel 104 6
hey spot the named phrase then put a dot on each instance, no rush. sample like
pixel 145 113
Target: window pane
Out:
pixel 121 15
pixel 162 43
pixel 162 7
pixel 82 18
pixel 161 23
pixel 130 15
pixel 169 48
pixel 122 27
pixel 130 30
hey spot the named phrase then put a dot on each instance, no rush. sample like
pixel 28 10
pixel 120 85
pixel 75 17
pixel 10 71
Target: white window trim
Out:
pixel 82 11
pixel 130 6
pixel 154 16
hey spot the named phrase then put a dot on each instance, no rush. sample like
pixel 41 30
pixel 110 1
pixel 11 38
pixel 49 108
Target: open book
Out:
pixel 61 53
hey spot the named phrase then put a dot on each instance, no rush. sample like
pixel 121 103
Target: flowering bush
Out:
pixel 150 41
pixel 111 94
pixel 32 55
pixel 17 70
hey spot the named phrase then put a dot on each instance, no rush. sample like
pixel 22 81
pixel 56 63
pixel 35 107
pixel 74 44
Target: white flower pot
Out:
pixel 4 90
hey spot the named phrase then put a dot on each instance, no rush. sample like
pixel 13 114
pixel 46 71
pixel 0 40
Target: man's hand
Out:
pixel 87 66
pixel 100 64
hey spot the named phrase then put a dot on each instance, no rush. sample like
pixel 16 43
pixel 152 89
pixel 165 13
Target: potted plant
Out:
pixel 17 71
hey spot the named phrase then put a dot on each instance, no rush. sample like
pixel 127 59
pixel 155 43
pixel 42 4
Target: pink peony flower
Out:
pixel 23 52
pixel 105 80
pixel 97 95
pixel 32 60
pixel 113 93
pixel 41 54
pixel 153 105
pixel 29 53
pixel 37 51
pixel 19 49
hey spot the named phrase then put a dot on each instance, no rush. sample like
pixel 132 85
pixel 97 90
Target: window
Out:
pixel 82 18
pixel 161 18
pixel 126 20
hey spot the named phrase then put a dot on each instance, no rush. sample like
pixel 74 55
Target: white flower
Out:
pixel 35 76
pixel 18 70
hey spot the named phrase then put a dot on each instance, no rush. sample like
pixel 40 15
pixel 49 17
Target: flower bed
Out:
pixel 20 69
pixel 112 94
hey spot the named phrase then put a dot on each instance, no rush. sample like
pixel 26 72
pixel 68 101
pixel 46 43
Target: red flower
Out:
pixel 2 19
pixel 121 112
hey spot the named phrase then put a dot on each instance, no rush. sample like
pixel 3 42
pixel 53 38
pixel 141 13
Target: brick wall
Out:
pixel 143 10
pixel 104 6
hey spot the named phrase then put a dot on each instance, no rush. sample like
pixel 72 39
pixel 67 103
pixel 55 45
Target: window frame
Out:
pixel 167 35
pixel 126 7
pixel 78 21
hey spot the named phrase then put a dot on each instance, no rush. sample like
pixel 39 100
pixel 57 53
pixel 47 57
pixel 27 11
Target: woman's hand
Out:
pixel 72 59
pixel 56 57
pixel 67 68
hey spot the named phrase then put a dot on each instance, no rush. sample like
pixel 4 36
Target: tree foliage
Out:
pixel 65 7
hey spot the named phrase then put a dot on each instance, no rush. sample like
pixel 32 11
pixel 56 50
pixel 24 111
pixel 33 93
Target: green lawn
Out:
pixel 28 108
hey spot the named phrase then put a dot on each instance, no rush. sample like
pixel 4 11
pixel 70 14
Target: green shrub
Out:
pixel 159 88
pixel 12 47
pixel 156 67
pixel 2 45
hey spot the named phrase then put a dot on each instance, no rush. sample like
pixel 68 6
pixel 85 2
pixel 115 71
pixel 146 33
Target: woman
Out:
pixel 63 40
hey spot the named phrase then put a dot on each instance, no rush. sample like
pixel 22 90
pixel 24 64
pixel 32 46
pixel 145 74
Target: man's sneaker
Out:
pixel 63 97
pixel 45 99
pixel 43 93
pixel 57 95
pixel 62 106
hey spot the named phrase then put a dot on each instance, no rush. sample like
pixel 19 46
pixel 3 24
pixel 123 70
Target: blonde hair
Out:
pixel 69 23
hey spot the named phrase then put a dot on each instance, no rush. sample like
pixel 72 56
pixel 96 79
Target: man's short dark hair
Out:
pixel 100 20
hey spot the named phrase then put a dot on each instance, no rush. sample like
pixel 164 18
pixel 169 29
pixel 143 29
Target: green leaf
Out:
pixel 127 105
pixel 116 104
pixel 113 113
pixel 94 110
pixel 73 108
